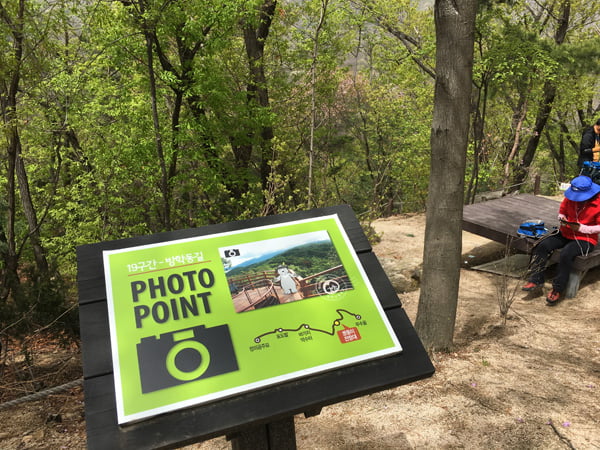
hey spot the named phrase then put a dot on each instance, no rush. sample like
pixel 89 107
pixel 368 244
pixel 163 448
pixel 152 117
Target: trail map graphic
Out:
pixel 347 334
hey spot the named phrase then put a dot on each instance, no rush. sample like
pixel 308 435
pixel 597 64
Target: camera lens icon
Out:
pixel 193 350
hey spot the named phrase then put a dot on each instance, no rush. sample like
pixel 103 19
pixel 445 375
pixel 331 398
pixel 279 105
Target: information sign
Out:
pixel 199 319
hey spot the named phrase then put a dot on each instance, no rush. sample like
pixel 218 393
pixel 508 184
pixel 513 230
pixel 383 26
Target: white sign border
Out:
pixel 124 419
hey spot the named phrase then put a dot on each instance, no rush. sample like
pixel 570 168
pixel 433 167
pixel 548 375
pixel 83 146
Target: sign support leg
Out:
pixel 279 435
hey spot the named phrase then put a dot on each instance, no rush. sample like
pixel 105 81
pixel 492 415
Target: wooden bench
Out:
pixel 500 218
pixel 580 267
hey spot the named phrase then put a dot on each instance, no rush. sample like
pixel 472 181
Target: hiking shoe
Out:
pixel 530 286
pixel 553 298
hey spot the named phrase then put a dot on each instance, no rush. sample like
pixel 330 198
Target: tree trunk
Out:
pixel 30 214
pixel 558 153
pixel 518 117
pixel 9 275
pixel 313 99
pixel 455 23
pixel 165 188
pixel 522 170
pixel 479 115
pixel 254 40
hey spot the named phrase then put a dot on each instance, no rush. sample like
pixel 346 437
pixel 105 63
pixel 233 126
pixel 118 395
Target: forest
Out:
pixel 132 117
pixel 314 258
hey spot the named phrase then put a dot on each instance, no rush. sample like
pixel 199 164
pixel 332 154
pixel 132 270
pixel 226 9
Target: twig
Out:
pixel 520 316
pixel 563 438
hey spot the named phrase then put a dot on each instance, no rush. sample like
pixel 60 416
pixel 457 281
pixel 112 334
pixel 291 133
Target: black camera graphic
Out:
pixel 231 253
pixel 185 355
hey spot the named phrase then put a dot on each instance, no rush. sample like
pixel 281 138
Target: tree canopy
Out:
pixel 125 118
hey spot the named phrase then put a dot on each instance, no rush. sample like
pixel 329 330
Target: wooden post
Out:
pixel 536 186
pixel 280 435
pixel 575 278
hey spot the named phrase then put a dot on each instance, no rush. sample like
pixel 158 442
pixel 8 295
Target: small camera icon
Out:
pixel 183 356
pixel 328 287
pixel 231 253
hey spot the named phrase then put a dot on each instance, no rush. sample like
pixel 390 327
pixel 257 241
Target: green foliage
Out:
pixel 349 88
pixel 305 260
pixel 39 304
pixel 518 62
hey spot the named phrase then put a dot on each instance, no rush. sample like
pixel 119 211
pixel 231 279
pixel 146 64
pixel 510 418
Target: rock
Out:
pixel 483 254
pixel 71 416
pixel 54 418
pixel 38 435
pixel 403 279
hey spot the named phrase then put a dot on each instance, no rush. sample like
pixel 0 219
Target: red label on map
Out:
pixel 348 335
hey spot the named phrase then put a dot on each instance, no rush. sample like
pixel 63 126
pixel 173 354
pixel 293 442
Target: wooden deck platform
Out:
pixel 499 219
pixel 247 299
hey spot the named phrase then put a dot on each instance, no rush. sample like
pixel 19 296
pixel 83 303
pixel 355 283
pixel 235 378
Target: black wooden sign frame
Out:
pixel 235 414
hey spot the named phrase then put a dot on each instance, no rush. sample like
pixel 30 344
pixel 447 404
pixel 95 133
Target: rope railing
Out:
pixel 41 394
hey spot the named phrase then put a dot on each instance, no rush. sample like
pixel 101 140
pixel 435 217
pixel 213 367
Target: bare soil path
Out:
pixel 532 383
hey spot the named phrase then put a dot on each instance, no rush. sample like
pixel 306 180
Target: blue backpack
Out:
pixel 591 169
pixel 532 228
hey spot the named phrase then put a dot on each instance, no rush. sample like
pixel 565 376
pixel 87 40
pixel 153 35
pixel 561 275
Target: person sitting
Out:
pixel 579 216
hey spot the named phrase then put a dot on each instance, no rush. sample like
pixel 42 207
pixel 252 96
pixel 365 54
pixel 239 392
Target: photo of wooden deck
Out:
pixel 259 290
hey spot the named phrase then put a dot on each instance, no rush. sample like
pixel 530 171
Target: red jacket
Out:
pixel 586 213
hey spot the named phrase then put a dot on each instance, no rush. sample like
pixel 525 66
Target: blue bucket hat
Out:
pixel 582 188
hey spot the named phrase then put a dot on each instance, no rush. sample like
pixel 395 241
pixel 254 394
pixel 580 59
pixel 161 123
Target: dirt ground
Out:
pixel 530 383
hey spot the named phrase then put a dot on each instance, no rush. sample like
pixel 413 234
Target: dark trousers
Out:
pixel 542 252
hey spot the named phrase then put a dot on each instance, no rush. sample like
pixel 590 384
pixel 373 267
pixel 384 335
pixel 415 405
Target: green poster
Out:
pixel 199 319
